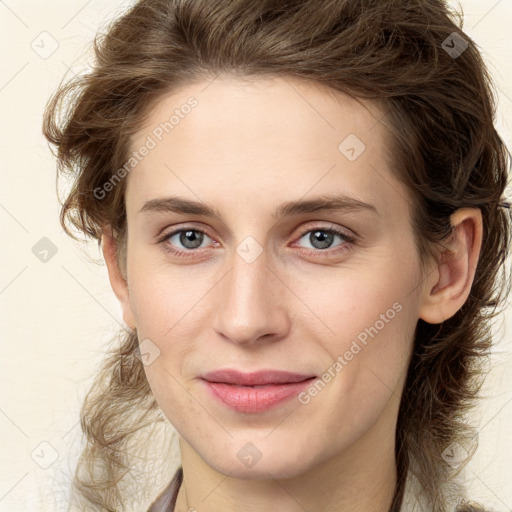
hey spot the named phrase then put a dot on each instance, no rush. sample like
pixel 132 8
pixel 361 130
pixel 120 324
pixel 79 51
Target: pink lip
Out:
pixel 256 391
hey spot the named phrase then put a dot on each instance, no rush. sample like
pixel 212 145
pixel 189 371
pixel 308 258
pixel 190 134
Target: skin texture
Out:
pixel 246 148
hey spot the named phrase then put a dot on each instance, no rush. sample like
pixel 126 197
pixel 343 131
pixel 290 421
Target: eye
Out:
pixel 190 239
pixel 322 238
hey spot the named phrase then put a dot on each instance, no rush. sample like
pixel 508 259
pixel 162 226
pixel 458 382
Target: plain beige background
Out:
pixel 58 316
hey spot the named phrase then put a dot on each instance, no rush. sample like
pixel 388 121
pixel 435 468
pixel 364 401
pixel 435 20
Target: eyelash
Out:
pixel 191 252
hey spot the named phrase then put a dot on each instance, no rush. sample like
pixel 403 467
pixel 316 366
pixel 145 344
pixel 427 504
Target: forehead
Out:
pixel 288 108
pixel 280 135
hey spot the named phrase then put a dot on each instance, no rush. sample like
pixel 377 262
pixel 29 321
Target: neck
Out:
pixel 362 478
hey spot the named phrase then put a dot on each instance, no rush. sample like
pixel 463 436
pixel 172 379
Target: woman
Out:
pixel 300 205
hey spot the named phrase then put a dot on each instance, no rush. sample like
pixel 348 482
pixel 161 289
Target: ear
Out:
pixel 117 280
pixel 449 282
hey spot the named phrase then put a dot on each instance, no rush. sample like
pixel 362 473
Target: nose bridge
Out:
pixel 250 306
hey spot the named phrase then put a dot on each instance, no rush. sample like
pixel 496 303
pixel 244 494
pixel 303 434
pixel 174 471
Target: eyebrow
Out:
pixel 324 203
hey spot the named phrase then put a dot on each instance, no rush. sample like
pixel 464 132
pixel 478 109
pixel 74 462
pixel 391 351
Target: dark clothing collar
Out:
pixel 166 500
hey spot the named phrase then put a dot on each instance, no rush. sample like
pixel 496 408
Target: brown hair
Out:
pixel 440 106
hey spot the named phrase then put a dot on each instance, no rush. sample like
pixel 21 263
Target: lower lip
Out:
pixel 255 399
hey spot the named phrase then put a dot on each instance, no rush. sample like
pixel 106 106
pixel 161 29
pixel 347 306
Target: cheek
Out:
pixel 360 305
pixel 167 314
pixel 366 359
pixel 365 325
pixel 164 299
pixel 170 305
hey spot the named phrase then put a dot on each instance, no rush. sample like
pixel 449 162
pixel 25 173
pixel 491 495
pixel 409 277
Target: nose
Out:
pixel 252 306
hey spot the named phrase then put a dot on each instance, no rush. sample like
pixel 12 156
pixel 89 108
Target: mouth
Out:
pixel 255 392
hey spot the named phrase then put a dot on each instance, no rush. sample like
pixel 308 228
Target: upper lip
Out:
pixel 256 378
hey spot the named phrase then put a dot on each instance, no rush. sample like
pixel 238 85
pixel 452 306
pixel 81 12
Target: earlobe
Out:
pixel 117 280
pixel 448 285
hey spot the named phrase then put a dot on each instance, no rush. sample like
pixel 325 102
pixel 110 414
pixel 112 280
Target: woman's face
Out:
pixel 251 278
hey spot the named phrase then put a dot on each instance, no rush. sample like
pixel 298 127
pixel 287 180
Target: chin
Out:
pixel 270 465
